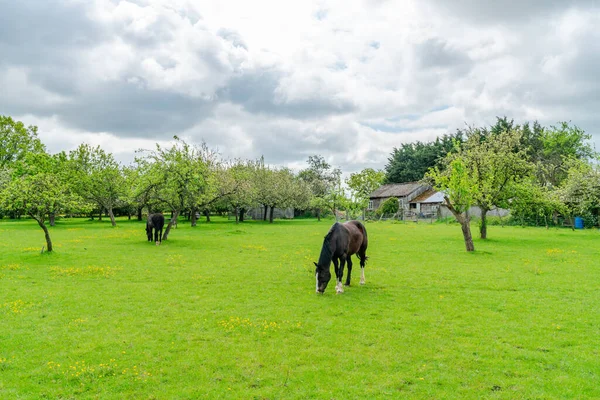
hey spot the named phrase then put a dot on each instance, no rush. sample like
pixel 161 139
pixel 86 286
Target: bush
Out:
pixel 390 206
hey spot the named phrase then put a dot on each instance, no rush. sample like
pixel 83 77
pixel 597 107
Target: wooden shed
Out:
pixel 404 192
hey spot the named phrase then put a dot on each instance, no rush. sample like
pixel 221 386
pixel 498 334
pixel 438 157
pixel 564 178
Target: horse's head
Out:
pixel 149 232
pixel 323 276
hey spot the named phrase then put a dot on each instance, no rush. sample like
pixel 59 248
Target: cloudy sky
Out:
pixel 347 79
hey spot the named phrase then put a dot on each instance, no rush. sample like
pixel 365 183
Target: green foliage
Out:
pixel 179 177
pixel 40 188
pixel 560 144
pixel 361 185
pixel 411 161
pixel 324 183
pixel 220 313
pixel 456 182
pixel 16 140
pixel 390 206
pixel 97 177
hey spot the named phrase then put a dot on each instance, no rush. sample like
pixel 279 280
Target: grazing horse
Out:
pixel 156 222
pixel 339 244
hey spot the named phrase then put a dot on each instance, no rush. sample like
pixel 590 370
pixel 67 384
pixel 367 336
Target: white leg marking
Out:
pixel 362 275
pixel 339 288
pixel 317 277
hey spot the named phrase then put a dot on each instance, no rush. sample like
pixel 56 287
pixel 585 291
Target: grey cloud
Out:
pixel 233 37
pixel 47 40
pixel 45 32
pixel 256 92
pixel 507 11
pixel 437 53
pixel 132 111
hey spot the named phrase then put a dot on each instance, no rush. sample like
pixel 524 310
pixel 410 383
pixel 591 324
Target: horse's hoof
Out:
pixel 157 243
pixel 362 282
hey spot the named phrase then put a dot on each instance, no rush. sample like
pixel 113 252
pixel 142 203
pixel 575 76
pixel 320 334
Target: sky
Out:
pixel 346 79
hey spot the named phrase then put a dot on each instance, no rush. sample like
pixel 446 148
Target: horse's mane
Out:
pixel 326 255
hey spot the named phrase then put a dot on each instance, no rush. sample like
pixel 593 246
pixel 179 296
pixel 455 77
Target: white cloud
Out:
pixel 346 79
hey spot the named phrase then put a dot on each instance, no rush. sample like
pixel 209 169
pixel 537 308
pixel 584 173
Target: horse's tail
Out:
pixel 363 247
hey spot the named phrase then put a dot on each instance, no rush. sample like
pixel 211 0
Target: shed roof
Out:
pixel 395 190
pixel 429 196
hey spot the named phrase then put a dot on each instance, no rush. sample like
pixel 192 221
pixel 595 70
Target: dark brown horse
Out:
pixel 339 244
pixel 157 222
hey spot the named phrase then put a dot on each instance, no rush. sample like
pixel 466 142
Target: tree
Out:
pixel 362 184
pixel 411 161
pixel 496 163
pixel 177 176
pixel 559 144
pixel 322 181
pixel 239 183
pixel 39 188
pixel 98 177
pixel 16 140
pixel 280 188
pixel 580 192
pixel 459 189
pixel 533 201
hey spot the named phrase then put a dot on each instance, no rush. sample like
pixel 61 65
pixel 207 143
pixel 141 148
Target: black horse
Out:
pixel 339 244
pixel 156 222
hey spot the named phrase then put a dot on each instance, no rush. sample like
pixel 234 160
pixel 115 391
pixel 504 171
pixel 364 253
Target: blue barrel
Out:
pixel 578 223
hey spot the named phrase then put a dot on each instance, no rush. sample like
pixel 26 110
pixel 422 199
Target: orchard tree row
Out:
pixel 183 179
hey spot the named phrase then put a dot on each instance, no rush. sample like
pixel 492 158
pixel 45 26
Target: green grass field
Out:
pixel 230 311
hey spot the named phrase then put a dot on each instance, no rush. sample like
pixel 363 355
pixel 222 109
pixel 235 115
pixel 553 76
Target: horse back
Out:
pixel 156 221
pixel 357 236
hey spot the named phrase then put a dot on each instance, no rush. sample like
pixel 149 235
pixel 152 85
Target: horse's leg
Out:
pixel 339 288
pixel 363 260
pixel 349 270
pixel 336 269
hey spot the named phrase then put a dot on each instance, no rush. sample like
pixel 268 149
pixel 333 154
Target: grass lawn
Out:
pixel 230 311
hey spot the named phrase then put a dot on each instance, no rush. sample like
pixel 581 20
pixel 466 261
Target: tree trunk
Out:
pixel 193 217
pixel 242 212
pixel 271 214
pixel 464 224
pixel 483 225
pixel 572 219
pixel 207 213
pixel 265 214
pixel 466 230
pixel 100 215
pixel 40 222
pixel 174 215
pixel 237 215
pixel 139 213
pixel 112 216
pixel 364 214
pixel 52 219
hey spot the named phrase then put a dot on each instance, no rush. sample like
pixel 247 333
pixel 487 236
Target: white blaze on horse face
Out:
pixel 362 275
